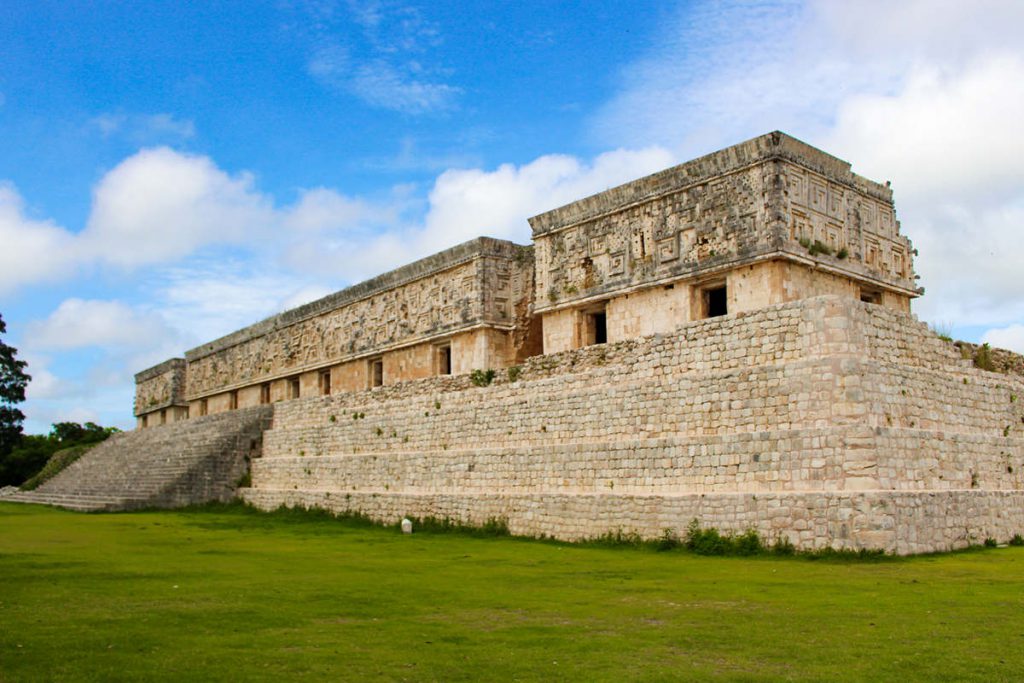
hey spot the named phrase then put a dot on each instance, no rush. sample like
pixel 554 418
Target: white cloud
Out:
pixel 927 93
pixel 1011 338
pixel 207 298
pixel 381 63
pixel 305 295
pixel 320 209
pixel 80 323
pixel 33 250
pixel 944 133
pixel 468 203
pixel 382 85
pixel 159 205
pixel 44 384
pixel 144 128
pixel 329 64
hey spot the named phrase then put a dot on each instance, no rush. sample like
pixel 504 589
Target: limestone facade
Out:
pixel 767 221
pixel 452 312
pixel 729 340
pixel 827 420
pixel 764 222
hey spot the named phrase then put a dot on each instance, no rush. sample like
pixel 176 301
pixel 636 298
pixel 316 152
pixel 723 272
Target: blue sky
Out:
pixel 172 171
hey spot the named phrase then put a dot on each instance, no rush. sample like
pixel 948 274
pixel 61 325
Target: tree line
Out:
pixel 24 456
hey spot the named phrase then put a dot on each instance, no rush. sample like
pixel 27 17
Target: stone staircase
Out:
pixel 184 463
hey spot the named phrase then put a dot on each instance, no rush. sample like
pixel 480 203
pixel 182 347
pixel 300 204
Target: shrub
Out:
pixel 514 372
pixel 748 543
pixel 706 541
pixel 983 358
pixel 1017 540
pixel 990 543
pixel 784 546
pixel 482 378
pixel 55 465
pixel 668 541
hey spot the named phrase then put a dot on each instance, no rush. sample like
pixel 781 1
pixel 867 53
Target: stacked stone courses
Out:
pixel 828 421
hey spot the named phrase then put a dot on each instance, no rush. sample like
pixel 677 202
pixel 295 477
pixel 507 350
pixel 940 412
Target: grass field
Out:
pixel 230 594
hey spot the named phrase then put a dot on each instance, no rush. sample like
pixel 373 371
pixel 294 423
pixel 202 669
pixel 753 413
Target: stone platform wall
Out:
pixel 828 421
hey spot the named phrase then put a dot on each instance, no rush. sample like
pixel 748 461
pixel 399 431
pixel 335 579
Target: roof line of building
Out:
pixel 774 145
pixel 424 267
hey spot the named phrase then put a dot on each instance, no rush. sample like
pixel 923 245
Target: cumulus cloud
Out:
pixel 44 383
pixel 321 209
pixel 467 203
pixel 160 204
pixel 1010 337
pixel 206 298
pixel 79 323
pixel 926 93
pixel 941 130
pixel 33 250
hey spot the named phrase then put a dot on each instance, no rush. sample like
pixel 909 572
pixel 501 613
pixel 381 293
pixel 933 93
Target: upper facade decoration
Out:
pixel 770 196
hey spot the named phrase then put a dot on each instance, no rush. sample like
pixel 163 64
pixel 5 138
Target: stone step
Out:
pixel 177 464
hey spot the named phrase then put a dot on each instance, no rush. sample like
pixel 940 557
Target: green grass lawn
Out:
pixel 230 594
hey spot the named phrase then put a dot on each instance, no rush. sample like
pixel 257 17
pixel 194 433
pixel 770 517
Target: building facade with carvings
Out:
pixel 765 222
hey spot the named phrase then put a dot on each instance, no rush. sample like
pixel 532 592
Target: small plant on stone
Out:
pixel 990 543
pixel 784 546
pixel 514 372
pixel 668 541
pixel 748 543
pixel 482 378
pixel 1017 540
pixel 842 253
pixel 332 418
pixel 380 431
pixel 983 358
pixel 437 405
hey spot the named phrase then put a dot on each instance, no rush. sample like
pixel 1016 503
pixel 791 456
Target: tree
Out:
pixel 13 381
pixel 26 460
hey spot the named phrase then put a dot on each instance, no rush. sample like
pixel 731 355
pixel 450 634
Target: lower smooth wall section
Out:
pixel 897 522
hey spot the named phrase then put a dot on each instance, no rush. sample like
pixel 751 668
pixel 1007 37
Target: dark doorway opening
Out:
pixel 444 360
pixel 600 328
pixel 716 302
